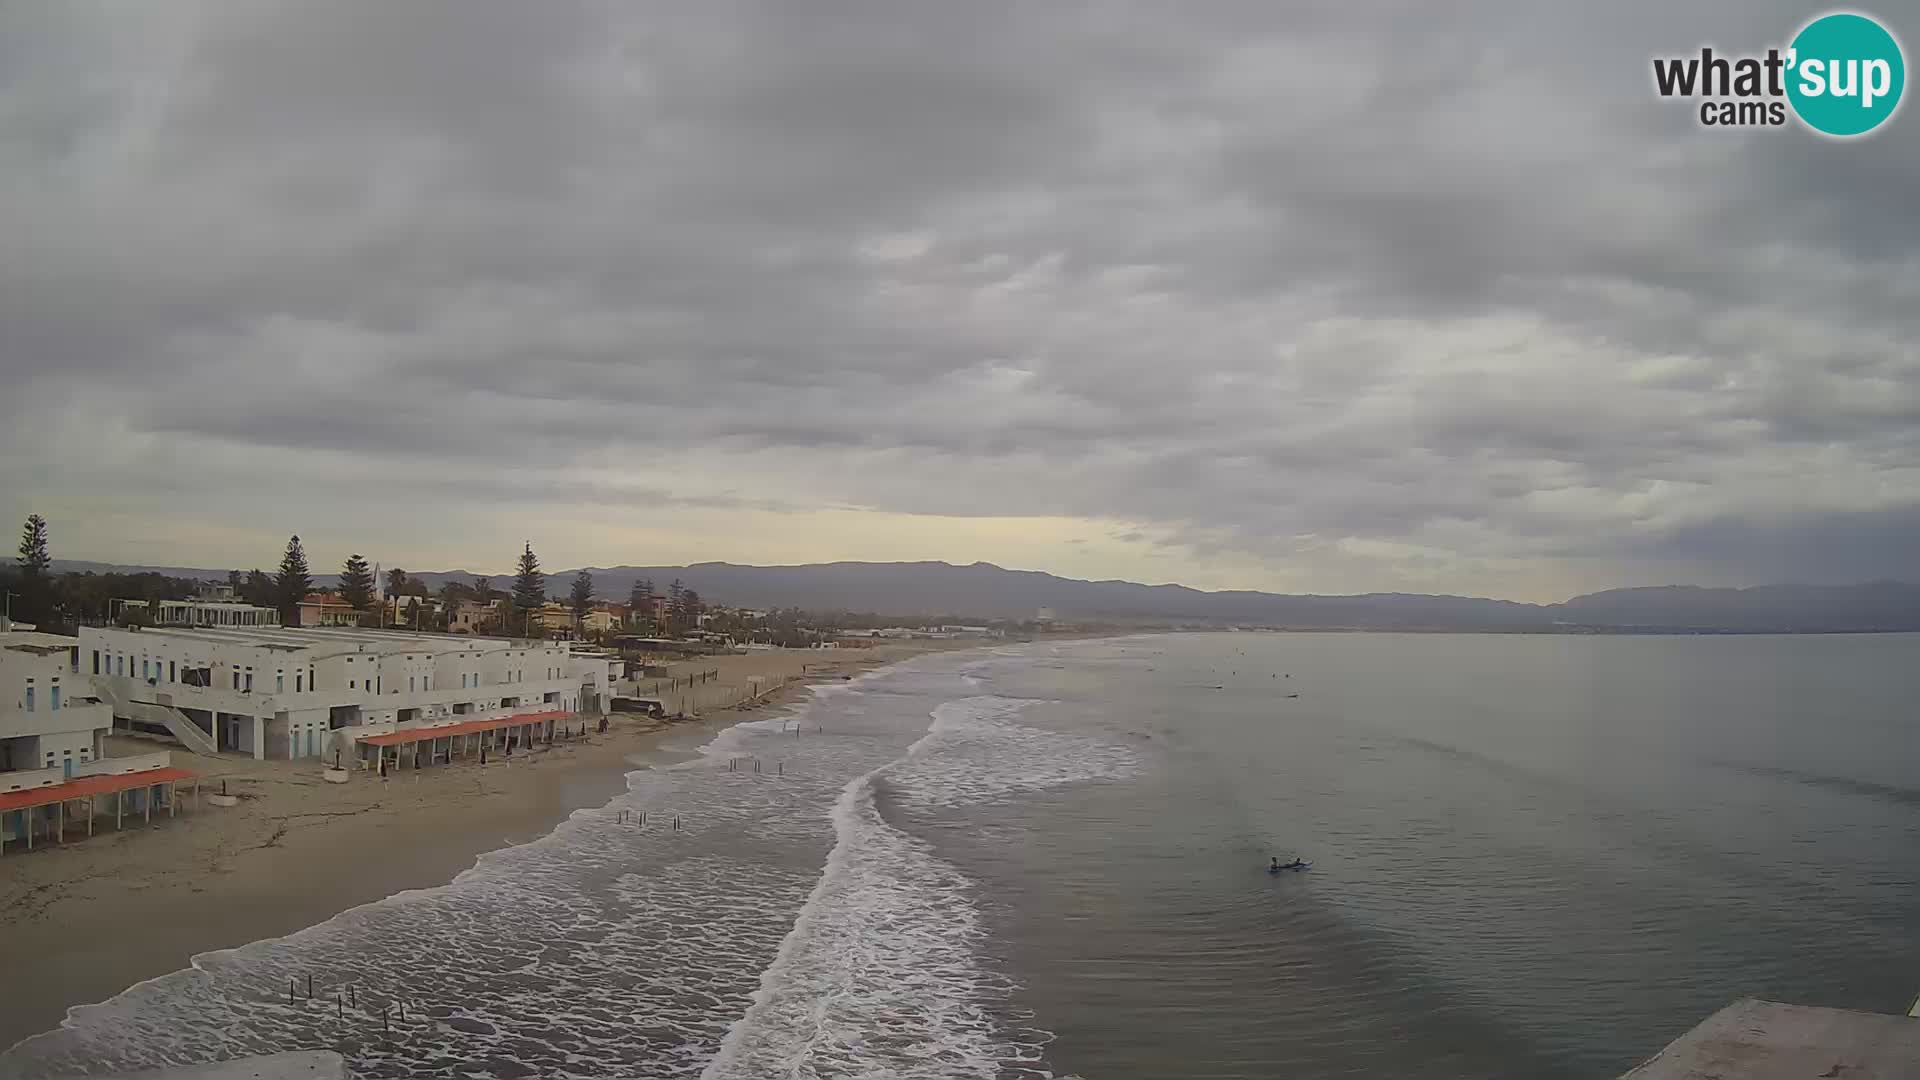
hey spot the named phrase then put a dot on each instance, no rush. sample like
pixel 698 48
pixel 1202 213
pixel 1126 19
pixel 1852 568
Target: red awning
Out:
pixel 88 786
pixel 469 727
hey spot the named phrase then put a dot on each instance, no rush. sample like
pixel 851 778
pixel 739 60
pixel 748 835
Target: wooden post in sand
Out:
pixel 90 799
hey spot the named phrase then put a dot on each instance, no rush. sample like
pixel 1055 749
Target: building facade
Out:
pixel 199 612
pixel 321 609
pixel 477 617
pixel 49 717
pixel 311 692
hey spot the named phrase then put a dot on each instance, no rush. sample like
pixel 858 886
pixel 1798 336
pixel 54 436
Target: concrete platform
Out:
pixel 297 1065
pixel 1765 1040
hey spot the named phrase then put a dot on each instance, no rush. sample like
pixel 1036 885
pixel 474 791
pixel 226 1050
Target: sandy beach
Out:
pixel 80 923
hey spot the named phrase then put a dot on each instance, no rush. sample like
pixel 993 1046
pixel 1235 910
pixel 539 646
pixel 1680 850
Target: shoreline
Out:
pixel 82 923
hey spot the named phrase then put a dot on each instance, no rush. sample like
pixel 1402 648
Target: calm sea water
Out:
pixel 1533 857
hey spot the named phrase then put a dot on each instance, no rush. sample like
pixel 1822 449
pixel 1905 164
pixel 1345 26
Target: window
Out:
pixel 29 698
pixel 249 682
pixel 171 675
pixel 409 684
pixel 296 682
pixel 96 661
pixel 236 680
pixel 53 699
pixel 352 685
pixel 279 682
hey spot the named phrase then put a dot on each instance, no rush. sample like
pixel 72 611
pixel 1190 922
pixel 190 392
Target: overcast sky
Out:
pixel 1337 297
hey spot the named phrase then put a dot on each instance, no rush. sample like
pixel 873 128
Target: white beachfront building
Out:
pixel 315 692
pixel 49 718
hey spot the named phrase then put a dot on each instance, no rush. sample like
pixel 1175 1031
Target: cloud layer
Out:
pixel 1432 297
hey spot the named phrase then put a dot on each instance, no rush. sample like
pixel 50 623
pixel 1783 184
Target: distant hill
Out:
pixel 1881 605
pixel 985 591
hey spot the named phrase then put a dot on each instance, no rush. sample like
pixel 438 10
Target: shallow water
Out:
pixel 1534 856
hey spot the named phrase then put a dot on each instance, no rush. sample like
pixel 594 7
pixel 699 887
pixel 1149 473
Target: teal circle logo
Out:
pixel 1846 74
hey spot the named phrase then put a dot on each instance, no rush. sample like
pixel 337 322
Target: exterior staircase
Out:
pixel 176 722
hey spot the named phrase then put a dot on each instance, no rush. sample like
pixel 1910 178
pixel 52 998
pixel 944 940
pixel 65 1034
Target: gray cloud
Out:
pixel 1416 296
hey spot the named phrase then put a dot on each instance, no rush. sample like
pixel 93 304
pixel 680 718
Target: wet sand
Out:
pixel 82 922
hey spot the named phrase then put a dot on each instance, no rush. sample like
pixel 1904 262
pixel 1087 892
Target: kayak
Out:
pixel 1290 866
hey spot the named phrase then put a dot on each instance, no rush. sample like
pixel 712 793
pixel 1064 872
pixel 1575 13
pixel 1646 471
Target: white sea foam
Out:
pixel 881 975
pixel 978 751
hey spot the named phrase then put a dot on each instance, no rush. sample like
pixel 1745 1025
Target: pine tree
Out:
pixel 529 586
pixel 582 595
pixel 259 589
pixel 356 583
pixel 640 605
pixel 694 608
pixel 293 582
pixel 396 581
pixel 36 587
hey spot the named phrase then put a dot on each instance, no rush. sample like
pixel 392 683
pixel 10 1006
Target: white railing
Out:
pixel 121 766
pixel 75 714
pixel 28 779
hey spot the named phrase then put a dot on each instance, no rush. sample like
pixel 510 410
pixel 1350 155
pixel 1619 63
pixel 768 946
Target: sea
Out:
pixel 1531 857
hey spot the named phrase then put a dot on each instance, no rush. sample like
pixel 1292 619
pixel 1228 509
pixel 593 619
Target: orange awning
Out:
pixel 469 727
pixel 87 786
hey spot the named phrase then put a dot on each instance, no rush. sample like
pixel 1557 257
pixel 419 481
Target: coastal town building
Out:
pixel 651 611
pixel 315 692
pixel 477 617
pixel 196 612
pixel 325 609
pixel 551 619
pixel 406 609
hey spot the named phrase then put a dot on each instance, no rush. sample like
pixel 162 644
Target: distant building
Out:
pixel 197 612
pixel 325 609
pixel 653 608
pixel 477 617
pixel 404 609
pixel 551 619
pixel 1044 615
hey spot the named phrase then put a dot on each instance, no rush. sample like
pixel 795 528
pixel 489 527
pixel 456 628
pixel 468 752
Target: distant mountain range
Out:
pixel 985 591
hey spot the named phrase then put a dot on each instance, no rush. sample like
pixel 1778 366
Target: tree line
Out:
pixel 35 594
